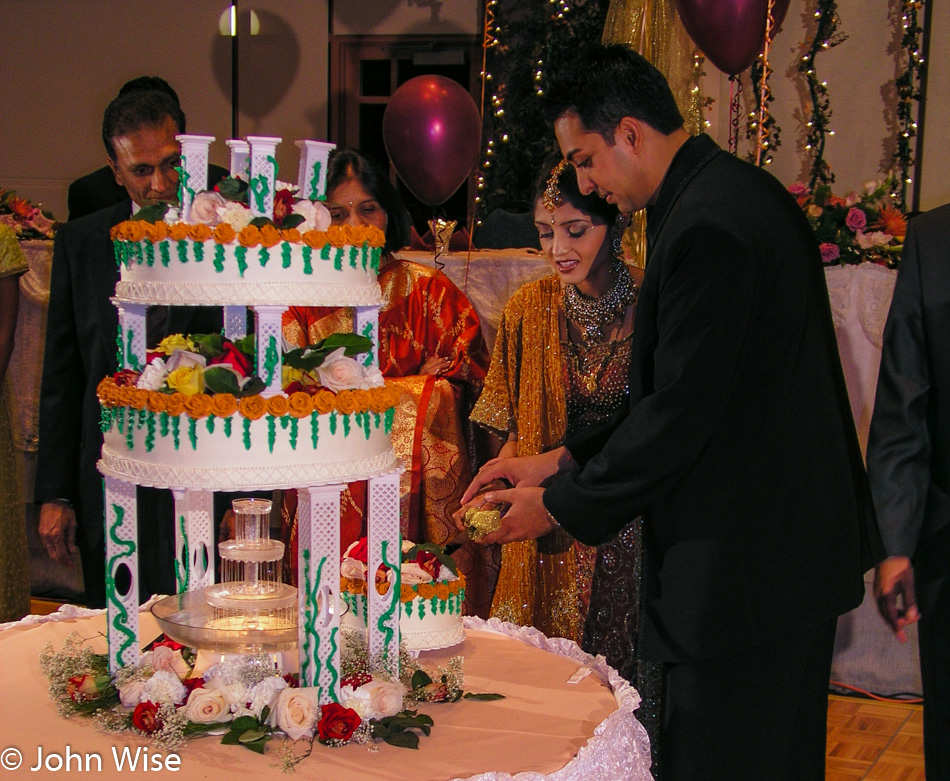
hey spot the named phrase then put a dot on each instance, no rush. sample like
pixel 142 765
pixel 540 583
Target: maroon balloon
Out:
pixel 729 32
pixel 432 133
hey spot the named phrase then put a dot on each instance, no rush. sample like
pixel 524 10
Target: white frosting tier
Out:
pixel 424 624
pixel 235 453
pixel 190 273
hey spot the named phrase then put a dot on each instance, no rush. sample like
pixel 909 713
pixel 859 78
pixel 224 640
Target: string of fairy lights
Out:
pixel 908 95
pixel 761 127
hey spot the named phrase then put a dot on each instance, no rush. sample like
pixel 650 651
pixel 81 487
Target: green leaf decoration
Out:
pixel 220 379
pixel 420 679
pixel 154 212
pixel 258 745
pixel 292 221
pixel 252 387
pixel 251 735
pixel 244 723
pixel 209 345
pixel 260 222
pixel 230 738
pixel 233 189
pixel 246 345
pixel 403 739
pixel 435 550
pixel 309 358
pixel 484 696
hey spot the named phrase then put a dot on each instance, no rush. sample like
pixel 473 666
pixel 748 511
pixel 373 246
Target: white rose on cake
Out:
pixel 207 706
pixel 153 377
pixel 372 378
pixel 295 712
pixel 337 372
pixel 206 207
pixel 374 700
pixel 130 694
pixel 316 216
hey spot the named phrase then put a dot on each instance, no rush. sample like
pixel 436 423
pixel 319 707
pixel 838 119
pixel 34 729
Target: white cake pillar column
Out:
pixel 318 589
pixel 384 546
pixel 312 176
pixel 131 352
pixel 240 158
pixel 194 539
pixel 269 344
pixel 366 323
pixel 193 172
pixel 235 322
pixel 122 564
pixel 263 175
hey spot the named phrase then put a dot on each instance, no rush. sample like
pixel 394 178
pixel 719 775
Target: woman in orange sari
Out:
pixel 430 344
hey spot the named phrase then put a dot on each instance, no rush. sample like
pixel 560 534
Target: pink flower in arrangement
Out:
pixel 856 220
pixel 798 188
pixel 829 252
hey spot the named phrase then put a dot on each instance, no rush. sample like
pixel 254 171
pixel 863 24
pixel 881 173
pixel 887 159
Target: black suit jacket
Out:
pixel 80 350
pixel 99 190
pixel 909 440
pixel 738 446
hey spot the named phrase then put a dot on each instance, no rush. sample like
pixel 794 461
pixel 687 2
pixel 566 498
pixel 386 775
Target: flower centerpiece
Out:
pixel 246 700
pixel 28 220
pixel 860 227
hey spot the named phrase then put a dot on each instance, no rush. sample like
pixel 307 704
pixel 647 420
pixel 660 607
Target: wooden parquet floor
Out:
pixel 877 741
pixel 867 739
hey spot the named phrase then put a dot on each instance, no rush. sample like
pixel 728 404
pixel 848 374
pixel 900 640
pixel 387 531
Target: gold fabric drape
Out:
pixel 654 29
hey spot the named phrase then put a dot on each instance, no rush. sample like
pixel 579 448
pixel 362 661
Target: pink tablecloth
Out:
pixel 544 728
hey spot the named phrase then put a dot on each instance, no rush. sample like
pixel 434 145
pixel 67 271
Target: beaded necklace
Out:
pixel 593 315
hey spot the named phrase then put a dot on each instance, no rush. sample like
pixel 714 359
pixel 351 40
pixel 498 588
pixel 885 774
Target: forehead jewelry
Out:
pixel 552 199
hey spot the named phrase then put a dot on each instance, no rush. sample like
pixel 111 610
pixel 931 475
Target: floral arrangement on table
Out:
pixel 207 374
pixel 426 571
pixel 861 227
pixel 28 220
pixel 246 700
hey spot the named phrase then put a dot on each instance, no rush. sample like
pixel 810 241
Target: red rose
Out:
pixel 167 641
pixel 294 387
pixel 145 717
pixel 283 205
pixel 337 722
pixel 293 682
pixel 359 550
pixel 428 562
pixel 126 378
pixel 234 358
pixel 191 684
pixel 82 688
pixel 151 355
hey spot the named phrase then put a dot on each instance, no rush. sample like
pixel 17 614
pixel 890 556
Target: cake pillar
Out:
pixel 384 546
pixel 263 179
pixel 122 572
pixel 366 323
pixel 318 589
pixel 240 158
pixel 269 343
pixel 235 322
pixel 131 353
pixel 194 539
pixel 312 176
pixel 193 171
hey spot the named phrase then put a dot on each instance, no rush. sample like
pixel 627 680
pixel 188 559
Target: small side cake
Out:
pixel 431 593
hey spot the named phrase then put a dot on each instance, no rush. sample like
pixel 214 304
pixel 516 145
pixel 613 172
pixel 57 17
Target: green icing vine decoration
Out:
pixel 163 424
pixel 305 657
pixel 183 577
pixel 239 253
pixel 182 250
pixel 149 254
pixel 368 329
pixel 271 433
pixel 366 426
pixel 193 433
pixel 389 419
pixel 166 256
pixel 354 255
pixel 209 424
pixel 315 179
pixel 219 257
pixel 227 427
pixel 314 429
pixel 285 255
pixel 293 433
pixel 333 423
pixel 132 360
pixel 325 252
pixel 346 426
pixel 150 436
pixel 307 252
pixel 384 621
pixel 121 620
pixel 199 251
pixel 176 430
pixel 338 259
pixel 264 256
pixel 119 352
pixel 247 434
pixel 271 359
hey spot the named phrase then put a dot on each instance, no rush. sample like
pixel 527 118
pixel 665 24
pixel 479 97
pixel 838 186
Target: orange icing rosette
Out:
pixel 425 590
pixel 354 234
pixel 346 402
pixel 138 398
pixel 198 405
pixel 406 593
pixel 157 402
pixel 223 233
pixel 324 401
pixel 200 232
pixel 223 405
pixel 252 407
pixel 178 231
pixel 291 235
pixel 300 404
pixel 250 236
pixel 277 406
pixel 175 403
pixel 336 235
pixel 156 231
pixel 315 239
pixel 269 235
pixel 442 591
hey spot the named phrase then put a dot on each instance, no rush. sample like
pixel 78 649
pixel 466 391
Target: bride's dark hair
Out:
pixel 567 184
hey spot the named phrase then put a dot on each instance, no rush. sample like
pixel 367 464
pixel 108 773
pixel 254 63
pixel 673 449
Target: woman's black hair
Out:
pixel 345 164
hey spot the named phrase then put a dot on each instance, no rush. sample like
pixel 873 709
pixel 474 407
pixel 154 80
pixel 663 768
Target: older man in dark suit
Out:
pixel 738 446
pixel 139 131
pixel 909 468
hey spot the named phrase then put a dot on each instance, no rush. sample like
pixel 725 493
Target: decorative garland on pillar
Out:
pixel 826 37
pixel 908 93
pixel 762 125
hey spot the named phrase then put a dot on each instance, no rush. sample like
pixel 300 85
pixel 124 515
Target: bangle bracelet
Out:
pixel 552 519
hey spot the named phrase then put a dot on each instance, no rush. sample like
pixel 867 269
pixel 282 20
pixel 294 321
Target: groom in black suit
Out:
pixel 909 468
pixel 738 446
pixel 139 131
